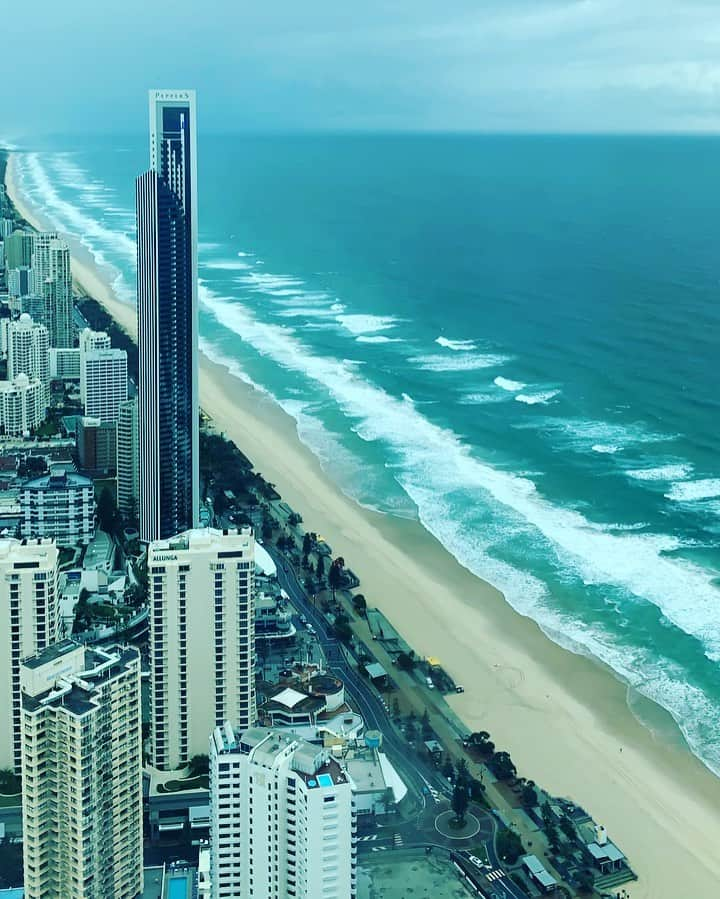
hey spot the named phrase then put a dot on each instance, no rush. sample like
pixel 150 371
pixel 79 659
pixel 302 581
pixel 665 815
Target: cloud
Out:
pixel 568 65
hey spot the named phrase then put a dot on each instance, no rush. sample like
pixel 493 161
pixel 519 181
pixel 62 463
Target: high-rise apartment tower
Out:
pixel 282 819
pixel 166 198
pixel 82 773
pixel 53 281
pixel 202 639
pixel 29 621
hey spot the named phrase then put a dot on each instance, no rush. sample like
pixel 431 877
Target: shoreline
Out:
pixel 564 718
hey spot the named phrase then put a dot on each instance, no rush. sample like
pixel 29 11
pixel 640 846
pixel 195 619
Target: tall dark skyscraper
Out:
pixel 168 408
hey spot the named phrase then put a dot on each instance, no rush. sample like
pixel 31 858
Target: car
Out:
pixel 430 684
pixel 459 688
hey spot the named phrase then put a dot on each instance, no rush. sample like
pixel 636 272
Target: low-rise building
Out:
pixel 59 505
pixel 96 445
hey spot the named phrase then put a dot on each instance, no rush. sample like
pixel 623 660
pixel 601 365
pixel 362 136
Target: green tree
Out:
pixel 585 882
pixel 568 829
pixel 107 512
pixel 502 765
pixel 406 661
pixel 459 802
pixel 549 825
pixel 528 797
pixel 342 628
pixel 425 725
pixel 307 544
pixel 198 765
pixel 396 708
pixel 509 846
pixel 447 768
pixel 335 575
pixel 321 568
pixel 462 774
pixel 359 603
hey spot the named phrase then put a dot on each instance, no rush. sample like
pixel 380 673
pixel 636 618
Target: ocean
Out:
pixel 512 339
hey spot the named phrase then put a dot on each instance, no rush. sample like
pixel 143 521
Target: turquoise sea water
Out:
pixel 514 340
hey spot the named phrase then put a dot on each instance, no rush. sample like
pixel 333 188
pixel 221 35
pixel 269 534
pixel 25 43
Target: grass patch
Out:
pixel 202 782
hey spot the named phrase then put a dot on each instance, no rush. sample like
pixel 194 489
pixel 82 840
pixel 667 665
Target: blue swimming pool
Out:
pixel 178 887
pixel 325 780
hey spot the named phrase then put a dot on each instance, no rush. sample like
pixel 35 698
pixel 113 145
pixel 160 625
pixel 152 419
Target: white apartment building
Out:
pixel 282 818
pixel 29 621
pixel 202 639
pixel 103 382
pixel 20 281
pixel 128 458
pixel 93 340
pixel 60 505
pixel 65 363
pixel 28 349
pixel 53 281
pixel 82 773
pixel 23 405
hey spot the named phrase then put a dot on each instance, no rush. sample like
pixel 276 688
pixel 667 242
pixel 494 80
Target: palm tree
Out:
pixel 335 574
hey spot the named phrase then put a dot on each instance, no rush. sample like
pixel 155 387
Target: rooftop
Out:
pixel 59 480
pixel 198 539
pixel 536 868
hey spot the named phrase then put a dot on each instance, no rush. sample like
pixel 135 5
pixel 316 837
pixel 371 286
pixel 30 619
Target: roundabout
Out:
pixel 446 826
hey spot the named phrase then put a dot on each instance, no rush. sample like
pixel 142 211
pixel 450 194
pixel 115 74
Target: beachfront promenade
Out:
pixel 424 827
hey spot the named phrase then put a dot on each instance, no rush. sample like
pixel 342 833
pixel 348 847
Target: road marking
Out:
pixel 367 839
pixel 497 874
pixel 398 840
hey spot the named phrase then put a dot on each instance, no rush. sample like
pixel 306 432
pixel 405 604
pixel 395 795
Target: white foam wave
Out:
pixel 98 239
pixel 507 384
pixel 433 457
pixel 215 353
pixel 265 282
pixel 230 265
pixel 607 448
pixel 534 399
pixel 481 399
pixel 659 679
pixel 306 311
pixel 582 435
pixel 459 362
pixel 377 338
pixel 358 323
pixel 677 471
pixel 457 345
pixel 692 491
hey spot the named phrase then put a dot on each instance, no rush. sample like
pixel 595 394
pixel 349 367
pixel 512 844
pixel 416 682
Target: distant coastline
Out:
pixel 563 717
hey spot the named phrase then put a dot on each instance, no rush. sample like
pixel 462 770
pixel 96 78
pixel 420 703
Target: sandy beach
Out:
pixel 564 718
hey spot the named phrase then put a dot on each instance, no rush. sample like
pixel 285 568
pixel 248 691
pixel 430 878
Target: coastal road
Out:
pixel 420 776
pixel 426 781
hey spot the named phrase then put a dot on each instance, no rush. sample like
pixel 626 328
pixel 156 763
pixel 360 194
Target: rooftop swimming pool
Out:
pixel 325 780
pixel 178 886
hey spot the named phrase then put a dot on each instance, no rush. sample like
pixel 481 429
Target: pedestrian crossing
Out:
pixel 367 839
pixel 495 874
pixel 436 795
pixel 397 840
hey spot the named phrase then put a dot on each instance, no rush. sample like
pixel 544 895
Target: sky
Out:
pixel 418 65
